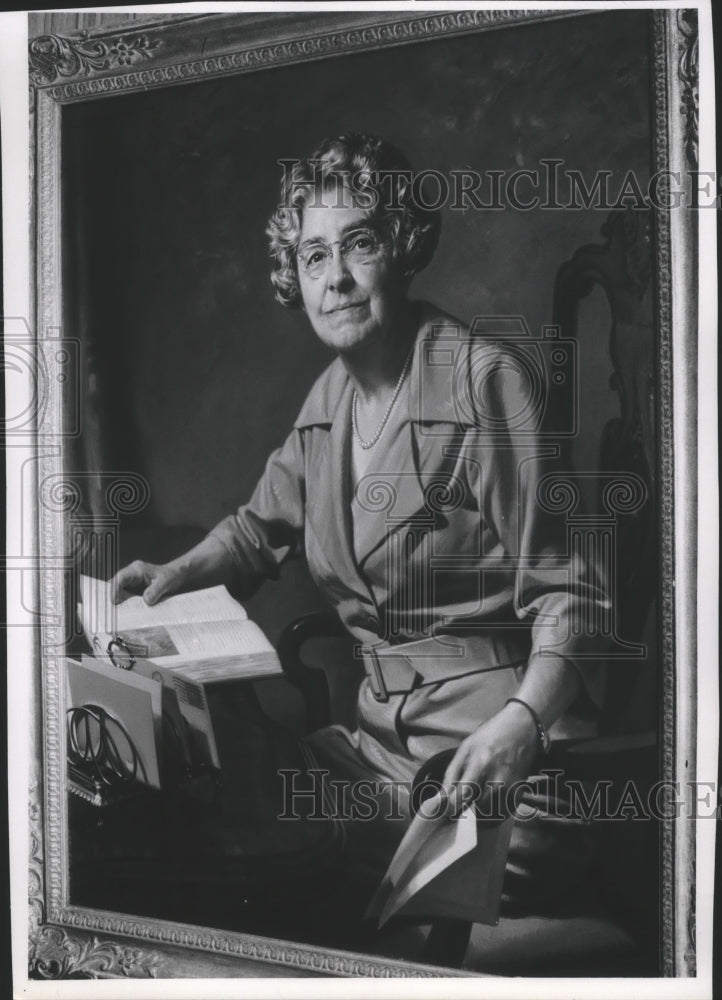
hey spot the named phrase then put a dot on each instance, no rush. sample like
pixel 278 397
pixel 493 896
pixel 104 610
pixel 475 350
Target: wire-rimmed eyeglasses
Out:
pixel 360 246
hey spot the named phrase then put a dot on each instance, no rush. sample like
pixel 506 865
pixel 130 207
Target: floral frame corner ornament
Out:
pixel 69 942
pixel 54 57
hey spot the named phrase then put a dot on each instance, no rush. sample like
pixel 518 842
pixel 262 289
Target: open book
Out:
pixel 203 636
pixel 445 867
pixel 181 644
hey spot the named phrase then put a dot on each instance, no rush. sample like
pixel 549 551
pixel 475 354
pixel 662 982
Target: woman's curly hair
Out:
pixel 377 175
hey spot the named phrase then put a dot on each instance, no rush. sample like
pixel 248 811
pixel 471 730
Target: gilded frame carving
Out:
pixel 66 940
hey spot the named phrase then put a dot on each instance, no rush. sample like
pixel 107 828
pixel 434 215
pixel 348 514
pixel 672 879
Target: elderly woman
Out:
pixel 412 482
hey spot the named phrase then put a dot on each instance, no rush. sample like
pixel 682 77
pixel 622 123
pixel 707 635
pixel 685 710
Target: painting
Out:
pixel 558 148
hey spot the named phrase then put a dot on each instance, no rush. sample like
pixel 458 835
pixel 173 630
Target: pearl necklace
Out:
pixel 387 413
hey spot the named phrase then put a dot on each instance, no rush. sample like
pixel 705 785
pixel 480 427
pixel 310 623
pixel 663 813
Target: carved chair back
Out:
pixel 603 299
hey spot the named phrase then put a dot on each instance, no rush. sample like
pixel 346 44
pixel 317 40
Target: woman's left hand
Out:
pixel 500 752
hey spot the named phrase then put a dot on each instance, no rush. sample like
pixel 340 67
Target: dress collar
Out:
pixel 436 376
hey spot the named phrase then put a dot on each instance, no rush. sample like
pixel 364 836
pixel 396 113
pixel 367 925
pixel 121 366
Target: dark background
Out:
pixel 195 372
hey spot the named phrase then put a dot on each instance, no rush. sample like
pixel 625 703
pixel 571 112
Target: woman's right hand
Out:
pixel 152 582
pixel 207 564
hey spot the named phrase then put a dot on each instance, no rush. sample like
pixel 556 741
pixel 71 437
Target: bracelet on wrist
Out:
pixel 541 730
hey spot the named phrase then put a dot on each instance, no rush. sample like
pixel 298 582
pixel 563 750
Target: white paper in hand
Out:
pixel 445 867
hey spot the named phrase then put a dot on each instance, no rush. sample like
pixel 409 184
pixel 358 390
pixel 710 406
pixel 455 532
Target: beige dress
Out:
pixel 450 540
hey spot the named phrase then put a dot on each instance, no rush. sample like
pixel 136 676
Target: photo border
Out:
pixel 167 51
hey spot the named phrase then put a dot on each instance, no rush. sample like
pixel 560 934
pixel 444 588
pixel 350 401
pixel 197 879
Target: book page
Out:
pixel 100 615
pixel 218 638
pixel 250 667
pixel 470 888
pixel 441 842
pixel 192 705
pixel 202 644
pixel 409 856
pixel 446 867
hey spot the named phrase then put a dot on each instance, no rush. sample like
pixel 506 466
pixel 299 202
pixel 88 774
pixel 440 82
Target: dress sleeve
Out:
pixel 268 530
pixel 560 586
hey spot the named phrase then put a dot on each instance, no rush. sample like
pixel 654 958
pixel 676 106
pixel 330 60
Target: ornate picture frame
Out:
pixel 137 53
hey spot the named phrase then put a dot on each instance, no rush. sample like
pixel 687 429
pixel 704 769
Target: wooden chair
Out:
pixel 620 936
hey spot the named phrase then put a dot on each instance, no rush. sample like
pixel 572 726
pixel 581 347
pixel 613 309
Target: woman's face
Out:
pixel 351 302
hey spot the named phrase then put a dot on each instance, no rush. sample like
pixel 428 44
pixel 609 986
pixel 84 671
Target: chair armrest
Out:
pixel 310 681
pixel 617 758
